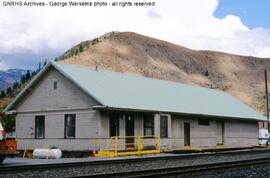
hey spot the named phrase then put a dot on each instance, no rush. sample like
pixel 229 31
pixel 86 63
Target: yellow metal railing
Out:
pixel 130 145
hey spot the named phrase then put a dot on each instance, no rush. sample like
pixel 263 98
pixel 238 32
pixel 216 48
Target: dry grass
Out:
pixel 4 102
pixel 140 55
pixel 242 77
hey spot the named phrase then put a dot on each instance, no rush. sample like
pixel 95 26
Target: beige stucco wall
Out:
pixel 240 133
pixel 87 130
pixel 236 133
pixel 44 98
pixel 200 135
pixel 92 130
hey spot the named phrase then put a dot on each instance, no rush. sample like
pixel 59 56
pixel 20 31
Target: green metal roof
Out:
pixel 122 91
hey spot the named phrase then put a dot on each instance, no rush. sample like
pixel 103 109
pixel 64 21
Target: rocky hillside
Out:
pixel 241 76
pixel 7 78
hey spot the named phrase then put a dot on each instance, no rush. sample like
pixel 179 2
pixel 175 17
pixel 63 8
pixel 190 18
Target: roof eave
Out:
pixel 13 103
pixel 26 88
pixel 178 113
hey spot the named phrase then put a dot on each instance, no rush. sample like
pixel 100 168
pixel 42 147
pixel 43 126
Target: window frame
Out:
pixel 73 116
pixel 203 122
pixel 36 127
pixel 164 127
pixel 152 118
pixel 55 85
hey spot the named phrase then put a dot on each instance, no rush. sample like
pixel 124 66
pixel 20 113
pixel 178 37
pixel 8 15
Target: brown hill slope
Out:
pixel 241 76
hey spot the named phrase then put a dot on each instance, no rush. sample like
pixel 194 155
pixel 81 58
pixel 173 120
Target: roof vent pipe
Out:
pixel 97 67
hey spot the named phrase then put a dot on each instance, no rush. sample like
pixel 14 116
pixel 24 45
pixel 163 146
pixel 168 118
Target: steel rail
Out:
pixel 145 160
pixel 194 170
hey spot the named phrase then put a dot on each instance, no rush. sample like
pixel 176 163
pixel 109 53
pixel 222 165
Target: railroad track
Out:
pixel 197 170
pixel 144 167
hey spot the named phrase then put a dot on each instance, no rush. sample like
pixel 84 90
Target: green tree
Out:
pixel 15 85
pixel 81 48
pixel 3 94
pixel 27 75
pixel 39 66
pixel 23 79
pixel 45 63
pixel 33 73
pixel 9 91
pixel 8 122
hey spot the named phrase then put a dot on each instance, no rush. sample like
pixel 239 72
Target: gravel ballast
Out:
pixel 71 167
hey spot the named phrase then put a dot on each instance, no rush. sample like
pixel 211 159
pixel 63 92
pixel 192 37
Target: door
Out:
pixel 114 125
pixel 129 131
pixel 186 134
pixel 220 132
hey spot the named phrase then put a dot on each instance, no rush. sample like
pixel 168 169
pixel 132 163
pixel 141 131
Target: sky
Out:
pixel 32 34
pixel 253 13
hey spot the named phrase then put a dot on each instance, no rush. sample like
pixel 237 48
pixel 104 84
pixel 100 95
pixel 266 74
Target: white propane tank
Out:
pixel 263 136
pixel 47 153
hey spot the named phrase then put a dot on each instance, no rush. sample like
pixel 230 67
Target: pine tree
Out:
pixel 39 67
pixel 27 75
pixel 23 79
pixel 3 94
pixel 45 63
pixel 81 48
pixel 9 91
pixel 206 73
pixel 15 85
pixel 33 73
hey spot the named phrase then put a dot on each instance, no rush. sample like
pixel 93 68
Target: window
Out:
pixel 40 127
pixel 148 125
pixel 70 125
pixel 114 125
pixel 55 85
pixel 163 126
pixel 203 122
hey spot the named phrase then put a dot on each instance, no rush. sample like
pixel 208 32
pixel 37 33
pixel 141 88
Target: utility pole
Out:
pixel 266 97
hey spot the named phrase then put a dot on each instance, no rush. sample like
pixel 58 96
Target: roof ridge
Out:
pixel 141 77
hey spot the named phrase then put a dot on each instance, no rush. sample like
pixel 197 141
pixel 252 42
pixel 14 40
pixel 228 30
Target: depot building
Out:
pixel 77 108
